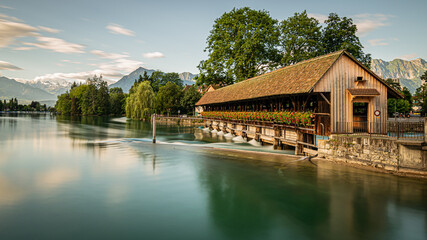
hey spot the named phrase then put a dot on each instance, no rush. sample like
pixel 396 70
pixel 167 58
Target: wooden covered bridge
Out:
pixel 340 93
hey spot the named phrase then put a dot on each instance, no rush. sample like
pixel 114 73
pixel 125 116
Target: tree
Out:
pixel 340 33
pixel 421 94
pixel 398 105
pixel 242 44
pixel 88 102
pixel 117 101
pixel 141 103
pixel 408 96
pixel 190 98
pixel 168 98
pixel 63 104
pixel 103 99
pixel 393 84
pixel 300 38
pixel 171 77
pixel 156 80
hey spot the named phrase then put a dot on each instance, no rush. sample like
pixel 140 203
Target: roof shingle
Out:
pixel 294 79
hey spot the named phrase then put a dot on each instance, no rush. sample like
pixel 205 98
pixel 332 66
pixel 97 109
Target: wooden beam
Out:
pixel 323 96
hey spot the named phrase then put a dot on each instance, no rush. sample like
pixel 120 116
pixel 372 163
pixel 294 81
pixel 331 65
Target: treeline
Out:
pixel 395 105
pixel 13 105
pixel 245 43
pixel 161 93
pixel 420 97
pixel 92 98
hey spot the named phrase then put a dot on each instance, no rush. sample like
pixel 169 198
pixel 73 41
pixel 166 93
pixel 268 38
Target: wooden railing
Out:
pixel 398 130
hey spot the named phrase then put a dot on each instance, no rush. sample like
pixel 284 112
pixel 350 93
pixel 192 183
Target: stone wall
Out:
pixel 384 153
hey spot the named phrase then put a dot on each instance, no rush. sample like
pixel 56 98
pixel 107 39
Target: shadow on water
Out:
pixel 325 202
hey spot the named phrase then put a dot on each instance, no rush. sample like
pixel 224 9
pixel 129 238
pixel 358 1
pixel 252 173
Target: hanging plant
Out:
pixel 285 117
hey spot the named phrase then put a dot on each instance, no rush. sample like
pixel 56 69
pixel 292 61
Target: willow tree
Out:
pixel 141 103
pixel 242 44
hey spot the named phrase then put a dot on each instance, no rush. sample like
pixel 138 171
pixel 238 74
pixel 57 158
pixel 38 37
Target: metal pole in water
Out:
pixel 154 127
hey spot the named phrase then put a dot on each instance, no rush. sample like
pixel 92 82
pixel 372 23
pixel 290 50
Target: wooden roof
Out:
pixel 299 78
pixel 363 91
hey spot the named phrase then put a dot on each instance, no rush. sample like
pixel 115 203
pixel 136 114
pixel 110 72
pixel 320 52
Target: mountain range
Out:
pixel 10 88
pixel 127 81
pixel 408 72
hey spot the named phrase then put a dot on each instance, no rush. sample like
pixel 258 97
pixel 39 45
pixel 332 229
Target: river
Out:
pixel 102 178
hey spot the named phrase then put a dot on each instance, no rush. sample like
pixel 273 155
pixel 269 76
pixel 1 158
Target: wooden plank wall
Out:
pixel 342 76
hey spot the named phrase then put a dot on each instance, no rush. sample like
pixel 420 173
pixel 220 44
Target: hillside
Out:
pixel 408 72
pixel 9 88
pixel 127 81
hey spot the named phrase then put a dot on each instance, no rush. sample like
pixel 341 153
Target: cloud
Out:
pixel 320 17
pixel 6 7
pixel 153 55
pixel 117 29
pixel 8 66
pixel 78 76
pixel 365 22
pixel 9 31
pixel 103 54
pixel 56 45
pixel 369 22
pixel 121 65
pixel 23 48
pixel 378 42
pixel 56 177
pixel 69 61
pixel 6 17
pixel 408 56
pixel 48 29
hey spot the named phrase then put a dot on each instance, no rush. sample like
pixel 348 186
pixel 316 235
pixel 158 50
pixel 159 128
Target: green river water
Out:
pixel 102 178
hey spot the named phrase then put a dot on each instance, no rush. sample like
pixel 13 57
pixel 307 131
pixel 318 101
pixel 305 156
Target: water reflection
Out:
pixel 76 174
pixel 331 201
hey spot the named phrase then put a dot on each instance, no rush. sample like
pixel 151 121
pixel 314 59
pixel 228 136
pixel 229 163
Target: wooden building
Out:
pixel 344 95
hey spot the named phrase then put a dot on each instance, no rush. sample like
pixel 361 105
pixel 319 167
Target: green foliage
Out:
pixel 245 43
pixel 168 98
pixel 421 95
pixel 141 103
pixel 13 105
pixel 393 84
pixel 92 98
pixel 242 43
pixel 408 96
pixel 190 98
pixel 300 38
pixel 63 104
pixel 117 101
pixel 340 33
pixel 159 79
pixel 424 76
pixel 398 105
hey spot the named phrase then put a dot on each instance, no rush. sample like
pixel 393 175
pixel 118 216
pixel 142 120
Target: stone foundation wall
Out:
pixel 384 153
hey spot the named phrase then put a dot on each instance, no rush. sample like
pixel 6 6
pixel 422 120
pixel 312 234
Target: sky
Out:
pixel 72 40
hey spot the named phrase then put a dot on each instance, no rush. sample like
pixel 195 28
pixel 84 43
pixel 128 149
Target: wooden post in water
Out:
pixel 154 127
